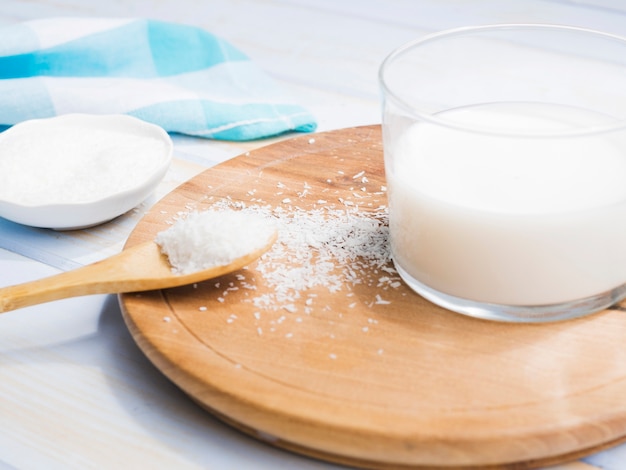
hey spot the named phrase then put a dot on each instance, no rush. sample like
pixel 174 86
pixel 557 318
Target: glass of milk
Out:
pixel 505 157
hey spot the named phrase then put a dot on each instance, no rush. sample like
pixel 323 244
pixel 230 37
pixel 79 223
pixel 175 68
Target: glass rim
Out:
pixel 433 118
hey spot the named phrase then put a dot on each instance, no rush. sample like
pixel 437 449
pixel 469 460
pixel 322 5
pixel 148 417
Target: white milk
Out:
pixel 510 220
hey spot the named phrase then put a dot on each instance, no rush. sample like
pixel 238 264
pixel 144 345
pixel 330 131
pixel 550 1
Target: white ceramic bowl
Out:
pixel 119 137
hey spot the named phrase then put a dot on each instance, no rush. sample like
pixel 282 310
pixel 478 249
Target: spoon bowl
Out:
pixel 139 268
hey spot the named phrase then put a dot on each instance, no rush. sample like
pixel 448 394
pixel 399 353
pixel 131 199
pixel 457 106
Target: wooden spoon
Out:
pixel 139 268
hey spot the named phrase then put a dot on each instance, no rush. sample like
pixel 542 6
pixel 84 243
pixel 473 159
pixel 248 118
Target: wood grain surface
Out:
pixel 372 375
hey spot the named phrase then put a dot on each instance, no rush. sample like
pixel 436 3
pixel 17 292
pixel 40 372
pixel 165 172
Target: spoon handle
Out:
pixel 138 268
pixel 134 269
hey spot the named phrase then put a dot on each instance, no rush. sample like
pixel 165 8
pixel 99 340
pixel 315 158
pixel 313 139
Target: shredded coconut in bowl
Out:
pixel 212 238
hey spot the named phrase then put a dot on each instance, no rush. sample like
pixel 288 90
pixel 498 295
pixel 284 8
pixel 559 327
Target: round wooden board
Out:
pixel 372 375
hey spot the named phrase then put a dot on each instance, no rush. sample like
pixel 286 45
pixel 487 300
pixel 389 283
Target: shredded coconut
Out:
pixel 202 240
pixel 322 247
pixel 336 244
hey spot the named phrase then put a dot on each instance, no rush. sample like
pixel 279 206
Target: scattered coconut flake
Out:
pixel 380 301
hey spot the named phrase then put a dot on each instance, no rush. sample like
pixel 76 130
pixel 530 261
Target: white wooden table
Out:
pixel 75 391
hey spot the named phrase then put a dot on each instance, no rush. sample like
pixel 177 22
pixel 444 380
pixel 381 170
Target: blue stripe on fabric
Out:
pixel 299 122
pixel 120 51
pixel 225 121
pixel 179 49
pixel 141 49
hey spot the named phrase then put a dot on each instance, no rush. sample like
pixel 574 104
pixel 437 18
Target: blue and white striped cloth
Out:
pixel 179 77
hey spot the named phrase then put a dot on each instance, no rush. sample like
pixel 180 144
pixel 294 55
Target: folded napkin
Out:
pixel 179 77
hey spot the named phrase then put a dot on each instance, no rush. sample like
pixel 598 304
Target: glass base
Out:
pixel 516 313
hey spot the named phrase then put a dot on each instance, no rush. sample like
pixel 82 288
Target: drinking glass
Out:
pixel 505 158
